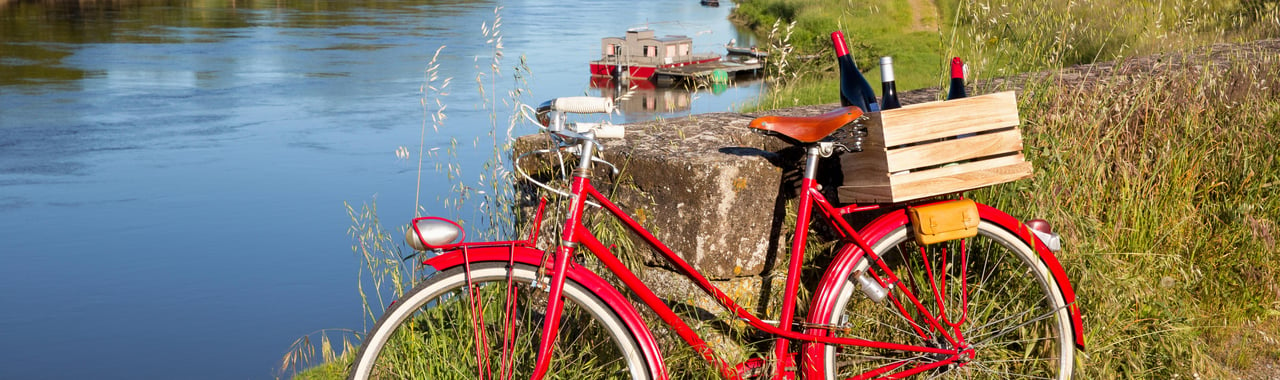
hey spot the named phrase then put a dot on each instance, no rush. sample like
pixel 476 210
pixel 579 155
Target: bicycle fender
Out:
pixel 842 265
pixel 583 276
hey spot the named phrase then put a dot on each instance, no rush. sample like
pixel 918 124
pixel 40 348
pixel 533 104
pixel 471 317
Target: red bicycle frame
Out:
pixel 575 234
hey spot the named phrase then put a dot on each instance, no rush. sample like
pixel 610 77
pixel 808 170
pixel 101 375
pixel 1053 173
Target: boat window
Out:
pixel 650 51
pixel 610 49
pixel 671 50
pixel 684 49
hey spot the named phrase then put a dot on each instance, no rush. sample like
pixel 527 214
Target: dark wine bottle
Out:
pixel 957 79
pixel 854 88
pixel 888 88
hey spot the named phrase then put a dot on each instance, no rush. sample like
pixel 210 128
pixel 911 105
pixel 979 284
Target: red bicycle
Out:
pixel 994 303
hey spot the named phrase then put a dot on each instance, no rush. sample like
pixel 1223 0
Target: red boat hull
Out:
pixel 640 71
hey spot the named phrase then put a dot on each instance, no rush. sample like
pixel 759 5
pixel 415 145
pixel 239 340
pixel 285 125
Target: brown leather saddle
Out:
pixel 808 129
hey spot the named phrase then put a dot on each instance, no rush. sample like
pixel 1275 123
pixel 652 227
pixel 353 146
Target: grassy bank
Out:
pixel 1163 180
pixel 996 37
pixel 897 28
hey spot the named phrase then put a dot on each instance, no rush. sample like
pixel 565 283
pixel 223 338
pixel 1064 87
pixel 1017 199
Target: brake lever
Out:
pixel 558 151
pixel 614 168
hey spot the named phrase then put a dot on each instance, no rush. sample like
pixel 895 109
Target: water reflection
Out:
pixel 59 25
pixel 642 100
pixel 172 173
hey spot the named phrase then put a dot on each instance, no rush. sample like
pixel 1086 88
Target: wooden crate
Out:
pixel 915 151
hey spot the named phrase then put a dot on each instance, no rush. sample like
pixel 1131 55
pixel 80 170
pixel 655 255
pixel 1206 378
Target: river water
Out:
pixel 173 172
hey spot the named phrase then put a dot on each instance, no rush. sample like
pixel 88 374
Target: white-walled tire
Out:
pixel 429 333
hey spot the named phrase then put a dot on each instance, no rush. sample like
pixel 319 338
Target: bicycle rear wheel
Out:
pixel 445 329
pixel 995 300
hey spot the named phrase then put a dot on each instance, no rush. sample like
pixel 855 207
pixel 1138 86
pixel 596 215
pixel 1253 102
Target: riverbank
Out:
pixel 997 38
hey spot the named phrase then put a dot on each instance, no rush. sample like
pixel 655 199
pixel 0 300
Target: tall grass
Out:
pixel 1164 186
pixel 1163 181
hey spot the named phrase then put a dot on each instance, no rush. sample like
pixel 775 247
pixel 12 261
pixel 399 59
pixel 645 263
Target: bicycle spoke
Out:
pixel 1002 320
pixel 1041 317
pixel 886 324
pixel 990 292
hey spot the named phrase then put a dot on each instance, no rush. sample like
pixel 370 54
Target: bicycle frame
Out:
pixel 575 234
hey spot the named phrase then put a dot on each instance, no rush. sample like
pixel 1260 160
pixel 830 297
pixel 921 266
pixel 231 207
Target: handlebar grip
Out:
pixel 610 131
pixel 602 130
pixel 583 104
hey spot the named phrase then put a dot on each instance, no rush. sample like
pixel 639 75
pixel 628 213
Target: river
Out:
pixel 173 172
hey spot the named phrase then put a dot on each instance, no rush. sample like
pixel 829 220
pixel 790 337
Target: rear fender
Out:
pixel 840 268
pixel 581 275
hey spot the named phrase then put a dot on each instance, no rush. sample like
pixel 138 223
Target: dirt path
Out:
pixel 924 15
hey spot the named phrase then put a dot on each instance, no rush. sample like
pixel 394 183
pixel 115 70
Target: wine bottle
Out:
pixel 958 69
pixel 957 79
pixel 888 88
pixel 854 88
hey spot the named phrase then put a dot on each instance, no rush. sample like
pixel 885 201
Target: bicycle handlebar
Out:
pixel 583 104
pixel 573 104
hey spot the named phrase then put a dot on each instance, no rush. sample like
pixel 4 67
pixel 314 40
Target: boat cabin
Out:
pixel 640 46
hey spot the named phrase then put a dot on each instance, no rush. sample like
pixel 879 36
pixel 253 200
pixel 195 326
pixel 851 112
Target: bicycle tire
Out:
pixel 1007 341
pixel 429 345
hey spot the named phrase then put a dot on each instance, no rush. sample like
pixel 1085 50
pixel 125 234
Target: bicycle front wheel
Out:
pixel 445 329
pixel 988 297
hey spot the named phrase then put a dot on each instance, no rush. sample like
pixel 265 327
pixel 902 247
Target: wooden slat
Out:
pixel 948 151
pixel 945 180
pixel 936 120
pixel 867 167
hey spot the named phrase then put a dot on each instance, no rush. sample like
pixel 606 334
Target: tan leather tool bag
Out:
pixel 944 221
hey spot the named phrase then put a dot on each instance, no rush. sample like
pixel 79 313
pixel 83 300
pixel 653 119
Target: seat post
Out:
pixel 812 153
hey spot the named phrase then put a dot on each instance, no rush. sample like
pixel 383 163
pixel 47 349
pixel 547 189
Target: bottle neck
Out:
pixel 837 39
pixel 957 68
pixel 886 69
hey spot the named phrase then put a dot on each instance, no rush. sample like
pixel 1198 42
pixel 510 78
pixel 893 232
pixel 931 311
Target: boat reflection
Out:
pixel 641 97
pixel 641 100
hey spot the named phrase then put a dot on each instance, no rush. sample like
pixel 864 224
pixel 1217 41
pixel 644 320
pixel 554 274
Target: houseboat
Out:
pixel 638 55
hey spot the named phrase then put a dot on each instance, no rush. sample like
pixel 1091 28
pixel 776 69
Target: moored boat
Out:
pixel 639 54
pixel 747 51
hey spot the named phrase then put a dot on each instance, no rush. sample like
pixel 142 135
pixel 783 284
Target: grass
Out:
pixel 1164 185
pixel 995 37
pixel 1165 188
pixel 896 28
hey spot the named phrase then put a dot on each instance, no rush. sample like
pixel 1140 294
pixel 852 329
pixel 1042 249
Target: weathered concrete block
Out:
pixel 705 185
